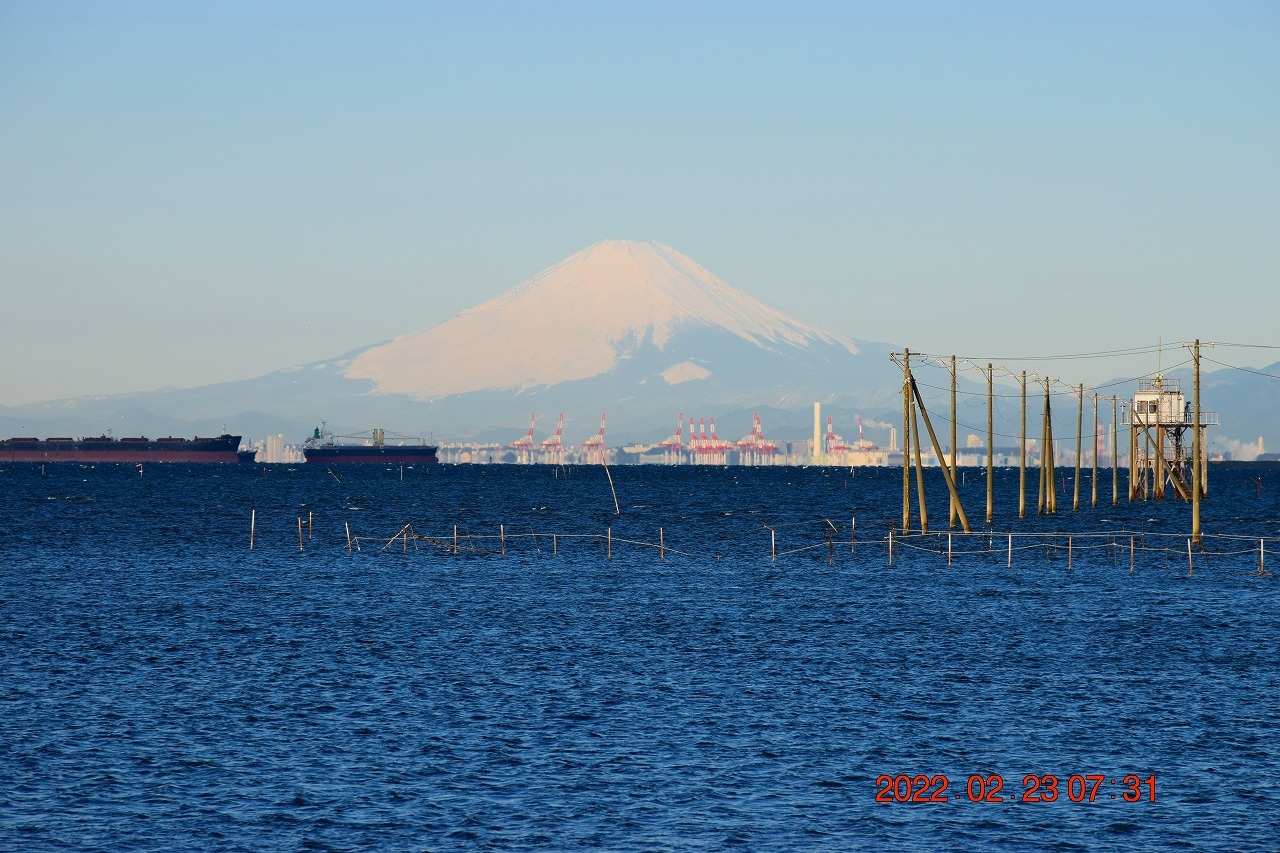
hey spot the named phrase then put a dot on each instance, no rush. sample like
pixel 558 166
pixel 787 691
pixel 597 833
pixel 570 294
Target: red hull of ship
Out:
pixel 371 456
pixel 121 456
pixel 101 450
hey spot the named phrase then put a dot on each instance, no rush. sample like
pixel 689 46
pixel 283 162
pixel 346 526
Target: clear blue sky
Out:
pixel 194 193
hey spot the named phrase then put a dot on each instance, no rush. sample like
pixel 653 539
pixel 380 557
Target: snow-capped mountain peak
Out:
pixel 575 320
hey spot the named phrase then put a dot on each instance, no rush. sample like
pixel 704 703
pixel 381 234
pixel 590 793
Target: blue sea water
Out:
pixel 562 683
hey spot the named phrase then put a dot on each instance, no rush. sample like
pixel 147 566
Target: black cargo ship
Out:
pixel 324 447
pixel 107 449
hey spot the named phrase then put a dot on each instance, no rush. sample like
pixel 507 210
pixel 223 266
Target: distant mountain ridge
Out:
pixel 637 330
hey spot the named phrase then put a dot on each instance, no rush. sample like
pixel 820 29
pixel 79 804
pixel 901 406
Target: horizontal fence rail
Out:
pixel 836 542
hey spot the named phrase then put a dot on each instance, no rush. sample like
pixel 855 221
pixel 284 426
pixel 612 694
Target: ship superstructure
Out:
pixel 371 448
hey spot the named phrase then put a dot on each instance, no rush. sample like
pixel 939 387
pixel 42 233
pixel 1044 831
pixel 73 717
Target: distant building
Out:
pixel 275 452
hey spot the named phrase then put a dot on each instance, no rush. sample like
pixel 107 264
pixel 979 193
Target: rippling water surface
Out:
pixel 562 683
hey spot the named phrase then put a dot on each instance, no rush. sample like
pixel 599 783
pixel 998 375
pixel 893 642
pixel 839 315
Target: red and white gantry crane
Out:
pixel 753 447
pixel 717 448
pixel 699 445
pixel 596 442
pixel 673 445
pixel 836 447
pixel 524 444
pixel 553 447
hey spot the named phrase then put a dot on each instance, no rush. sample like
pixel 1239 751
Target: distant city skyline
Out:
pixel 201 194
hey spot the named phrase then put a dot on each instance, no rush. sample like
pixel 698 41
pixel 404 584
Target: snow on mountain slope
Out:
pixel 576 320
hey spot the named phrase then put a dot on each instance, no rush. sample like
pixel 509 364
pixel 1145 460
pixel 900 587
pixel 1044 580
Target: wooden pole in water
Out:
pixel 1167 471
pixel 391 541
pixel 1009 560
pixel 1162 470
pixel 1191 566
pixel 991 447
pixel 502 539
pixel 853 532
pixel 891 547
pixel 1141 453
pixel 1130 555
pixel 310 526
pixel 1159 479
pixel 455 539
pixel 347 525
pixel 1093 480
pixel 946 472
pixel 952 463
pixel 553 545
pixel 253 521
pixel 1197 448
pixel 662 548
pixel 1044 449
pixel 1051 463
pixel 1133 454
pixel 1075 500
pixel 608 543
pixel 1115 453
pixel 1068 553
pixel 1022 454
pixel 1204 466
pixel 1051 493
pixel 915 448
pixel 773 545
pixel 906 442
pixel 299 533
pixel 617 510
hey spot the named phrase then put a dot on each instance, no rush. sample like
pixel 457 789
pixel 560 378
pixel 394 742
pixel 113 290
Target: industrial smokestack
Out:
pixel 817 434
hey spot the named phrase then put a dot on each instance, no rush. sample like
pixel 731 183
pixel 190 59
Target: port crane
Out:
pixel 524 444
pixel 836 446
pixel 673 445
pixel 717 447
pixel 596 442
pixel 753 446
pixel 553 446
pixel 699 444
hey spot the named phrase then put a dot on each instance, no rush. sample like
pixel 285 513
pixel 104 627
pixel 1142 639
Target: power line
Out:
pixel 1244 346
pixel 1142 350
pixel 1242 369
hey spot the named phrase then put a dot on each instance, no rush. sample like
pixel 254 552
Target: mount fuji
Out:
pixel 616 309
pixel 591 314
pixel 637 330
